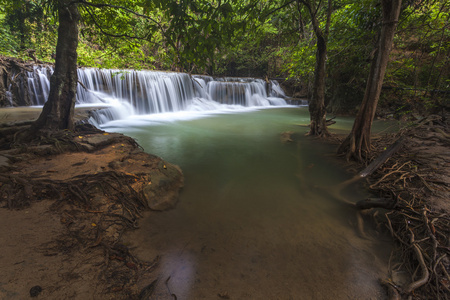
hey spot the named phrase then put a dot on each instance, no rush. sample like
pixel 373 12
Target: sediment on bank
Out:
pixel 99 184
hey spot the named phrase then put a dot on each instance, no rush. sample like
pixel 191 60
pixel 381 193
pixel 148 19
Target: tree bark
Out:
pixel 357 144
pixel 317 110
pixel 58 111
pixel 316 106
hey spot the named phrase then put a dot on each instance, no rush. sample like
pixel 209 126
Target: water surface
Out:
pixel 255 219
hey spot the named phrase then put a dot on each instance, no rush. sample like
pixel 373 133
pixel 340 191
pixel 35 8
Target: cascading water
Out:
pixel 39 84
pixel 130 92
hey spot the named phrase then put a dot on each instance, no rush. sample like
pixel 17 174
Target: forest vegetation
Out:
pixel 252 38
pixel 368 58
pixel 325 50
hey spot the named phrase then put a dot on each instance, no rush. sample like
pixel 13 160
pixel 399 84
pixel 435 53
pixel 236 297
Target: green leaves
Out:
pixel 8 42
pixel 26 25
pixel 240 37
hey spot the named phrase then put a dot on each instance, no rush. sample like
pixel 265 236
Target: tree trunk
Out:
pixel 58 111
pixel 317 110
pixel 22 34
pixel 357 144
pixel 316 107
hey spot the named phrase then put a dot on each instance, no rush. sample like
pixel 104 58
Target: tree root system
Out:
pixel 98 189
pixel 413 190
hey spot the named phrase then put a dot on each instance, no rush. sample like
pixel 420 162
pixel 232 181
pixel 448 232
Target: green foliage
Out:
pixel 253 52
pixel 27 25
pixel 301 61
pixel 248 38
pixel 352 40
pixel 195 32
pixel 419 72
pixel 123 56
pixel 422 59
pixel 8 44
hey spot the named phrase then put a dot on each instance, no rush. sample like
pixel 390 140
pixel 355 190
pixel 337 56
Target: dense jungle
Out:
pixel 233 149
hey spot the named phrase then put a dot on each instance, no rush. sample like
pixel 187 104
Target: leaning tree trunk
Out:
pixel 357 144
pixel 59 109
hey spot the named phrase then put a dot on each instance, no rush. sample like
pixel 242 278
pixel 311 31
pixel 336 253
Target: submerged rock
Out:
pixel 286 137
pixel 162 191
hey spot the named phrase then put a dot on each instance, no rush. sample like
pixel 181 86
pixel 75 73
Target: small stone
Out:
pixel 35 291
pixel 114 165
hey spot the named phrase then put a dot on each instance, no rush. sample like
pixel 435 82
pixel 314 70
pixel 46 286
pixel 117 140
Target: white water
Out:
pixel 154 95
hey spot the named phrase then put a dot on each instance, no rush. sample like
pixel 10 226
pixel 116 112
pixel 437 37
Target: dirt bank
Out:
pixel 66 201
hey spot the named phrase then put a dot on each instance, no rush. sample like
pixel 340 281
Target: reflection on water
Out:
pixel 255 220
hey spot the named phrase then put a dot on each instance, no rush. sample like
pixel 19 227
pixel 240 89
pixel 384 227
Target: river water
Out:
pixel 255 219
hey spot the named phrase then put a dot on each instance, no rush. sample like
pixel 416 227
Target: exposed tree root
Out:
pixel 375 203
pixel 404 179
pixel 115 212
pixel 425 274
pixel 393 292
pixel 96 208
pixel 404 185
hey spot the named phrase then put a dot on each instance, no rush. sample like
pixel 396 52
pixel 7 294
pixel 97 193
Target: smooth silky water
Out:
pixel 255 219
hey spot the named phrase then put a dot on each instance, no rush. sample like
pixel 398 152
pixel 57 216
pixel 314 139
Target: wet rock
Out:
pixel 163 191
pixel 286 137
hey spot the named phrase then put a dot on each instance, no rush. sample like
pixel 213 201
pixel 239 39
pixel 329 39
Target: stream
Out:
pixel 255 219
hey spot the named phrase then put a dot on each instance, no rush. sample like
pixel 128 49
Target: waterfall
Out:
pixel 130 92
pixel 39 84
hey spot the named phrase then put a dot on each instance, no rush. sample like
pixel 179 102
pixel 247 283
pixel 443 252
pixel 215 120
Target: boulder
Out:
pixel 163 190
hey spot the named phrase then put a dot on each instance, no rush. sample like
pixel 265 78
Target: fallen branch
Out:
pixel 81 84
pixel 330 121
pixel 375 164
pixel 372 167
